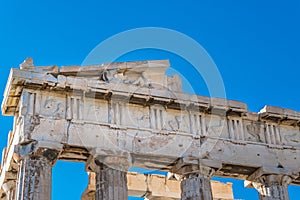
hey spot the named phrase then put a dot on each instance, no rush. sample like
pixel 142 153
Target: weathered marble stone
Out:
pixel 196 183
pixel 34 181
pixel 111 184
pixel 273 187
pixel 117 115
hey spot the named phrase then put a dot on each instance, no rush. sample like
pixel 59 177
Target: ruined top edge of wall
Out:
pixel 144 75
pixel 146 67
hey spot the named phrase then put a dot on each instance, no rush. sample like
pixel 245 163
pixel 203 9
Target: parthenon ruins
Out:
pixel 130 114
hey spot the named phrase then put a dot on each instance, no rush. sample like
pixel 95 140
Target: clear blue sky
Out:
pixel 255 45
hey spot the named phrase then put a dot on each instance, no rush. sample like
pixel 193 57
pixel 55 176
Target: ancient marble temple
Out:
pixel 120 115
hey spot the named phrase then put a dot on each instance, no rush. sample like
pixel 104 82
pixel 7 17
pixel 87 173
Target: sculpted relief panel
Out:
pixel 51 106
pixel 43 104
pixel 290 135
pixel 95 110
pixel 177 121
pixel 216 126
pixel 253 131
pixel 40 110
pixel 137 116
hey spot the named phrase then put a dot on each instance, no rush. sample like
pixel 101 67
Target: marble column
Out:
pixel 111 183
pixel 9 188
pixel 35 175
pixel 195 184
pixel 111 176
pixel 273 187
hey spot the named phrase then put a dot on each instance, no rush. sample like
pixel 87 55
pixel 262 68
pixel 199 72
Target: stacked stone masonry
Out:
pixel 152 186
pixel 120 115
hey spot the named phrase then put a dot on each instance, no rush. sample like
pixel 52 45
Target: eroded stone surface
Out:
pixel 134 109
pixel 154 186
pixel 34 182
pixel 273 187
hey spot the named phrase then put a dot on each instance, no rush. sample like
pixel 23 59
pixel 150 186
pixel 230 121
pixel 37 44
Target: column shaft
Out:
pixel 111 184
pixel 273 187
pixel 34 179
pixel 274 192
pixel 196 187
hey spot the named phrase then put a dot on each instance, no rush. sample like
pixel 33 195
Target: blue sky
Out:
pixel 255 45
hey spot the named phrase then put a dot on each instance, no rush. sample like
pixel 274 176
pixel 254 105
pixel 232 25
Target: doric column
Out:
pixel 110 183
pixel 273 187
pixel 196 176
pixel 111 179
pixel 195 184
pixel 35 173
pixel 9 188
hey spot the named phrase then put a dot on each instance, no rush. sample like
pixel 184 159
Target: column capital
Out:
pixel 186 167
pixel 272 179
pixel 43 150
pixel 272 186
pixel 111 169
pixel 118 160
pixel 194 170
pixel 195 183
